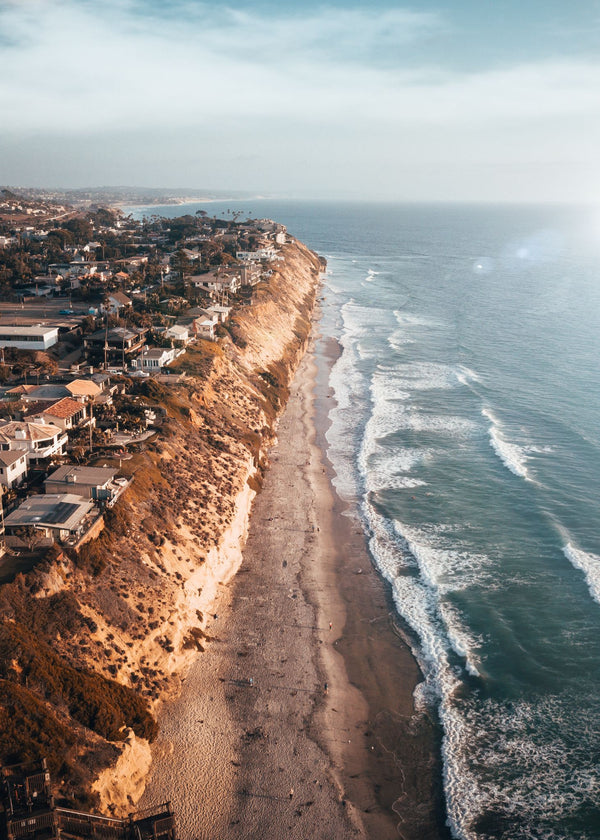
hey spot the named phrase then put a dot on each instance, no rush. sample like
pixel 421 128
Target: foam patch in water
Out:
pixel 589 564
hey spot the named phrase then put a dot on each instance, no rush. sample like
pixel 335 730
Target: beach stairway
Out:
pixel 27 810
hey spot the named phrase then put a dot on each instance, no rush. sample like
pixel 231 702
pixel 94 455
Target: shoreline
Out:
pixel 269 759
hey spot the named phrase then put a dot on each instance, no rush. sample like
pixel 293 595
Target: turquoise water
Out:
pixel 465 428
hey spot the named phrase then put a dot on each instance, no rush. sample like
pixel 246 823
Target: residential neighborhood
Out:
pixel 94 304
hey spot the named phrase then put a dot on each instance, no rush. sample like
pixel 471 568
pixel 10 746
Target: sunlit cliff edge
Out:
pixel 92 643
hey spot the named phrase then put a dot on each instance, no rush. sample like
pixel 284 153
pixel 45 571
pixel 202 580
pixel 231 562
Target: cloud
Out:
pixel 89 66
pixel 330 91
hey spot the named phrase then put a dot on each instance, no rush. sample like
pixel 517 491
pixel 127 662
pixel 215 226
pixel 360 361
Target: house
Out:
pixel 28 338
pixel 83 390
pixel 66 414
pixel 205 327
pixel 155 358
pixel 13 468
pixel 217 282
pixel 116 302
pixel 37 440
pixel 90 482
pixel 222 312
pixel 259 254
pixel 179 334
pixel 61 516
pixel 249 273
pixel 118 343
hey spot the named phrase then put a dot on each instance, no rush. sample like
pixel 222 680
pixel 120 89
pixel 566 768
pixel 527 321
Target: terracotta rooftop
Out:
pixel 64 408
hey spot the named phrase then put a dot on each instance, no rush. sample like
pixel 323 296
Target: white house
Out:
pixel 222 312
pixel 37 440
pixel 204 325
pixel 259 254
pixel 153 359
pixel 216 282
pixel 178 333
pixel 116 302
pixel 13 468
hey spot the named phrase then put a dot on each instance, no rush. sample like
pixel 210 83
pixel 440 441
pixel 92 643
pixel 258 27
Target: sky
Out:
pixel 468 100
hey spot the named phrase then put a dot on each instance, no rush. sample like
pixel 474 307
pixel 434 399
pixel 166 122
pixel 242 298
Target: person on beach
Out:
pixel 291 793
pixel 326 688
pixel 330 624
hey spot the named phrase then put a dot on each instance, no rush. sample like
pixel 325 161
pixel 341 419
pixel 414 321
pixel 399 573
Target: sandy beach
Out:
pixel 298 719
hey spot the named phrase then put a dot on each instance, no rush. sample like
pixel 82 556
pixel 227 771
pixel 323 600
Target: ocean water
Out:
pixel 465 432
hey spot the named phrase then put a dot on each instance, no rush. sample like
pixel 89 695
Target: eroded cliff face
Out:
pixel 91 643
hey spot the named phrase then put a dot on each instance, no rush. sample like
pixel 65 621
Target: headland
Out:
pixel 267 648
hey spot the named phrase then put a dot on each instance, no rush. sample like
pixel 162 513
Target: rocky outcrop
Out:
pixel 125 615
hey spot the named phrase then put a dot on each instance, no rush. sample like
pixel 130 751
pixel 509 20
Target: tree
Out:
pixel 30 535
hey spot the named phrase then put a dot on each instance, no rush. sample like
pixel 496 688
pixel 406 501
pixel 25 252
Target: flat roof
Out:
pixel 57 510
pixel 17 331
pixel 72 474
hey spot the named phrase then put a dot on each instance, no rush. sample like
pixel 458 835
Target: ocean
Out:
pixel 465 435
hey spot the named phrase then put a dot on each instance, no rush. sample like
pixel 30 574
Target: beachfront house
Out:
pixel 179 334
pixel 97 483
pixel 153 359
pixel 61 517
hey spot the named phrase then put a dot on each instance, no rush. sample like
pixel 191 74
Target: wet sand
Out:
pixel 298 719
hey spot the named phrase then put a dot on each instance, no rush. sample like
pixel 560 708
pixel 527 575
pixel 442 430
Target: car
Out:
pixel 67 312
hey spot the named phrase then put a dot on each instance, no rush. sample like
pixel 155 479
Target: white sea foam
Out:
pixel 444 567
pixel 466 376
pixel 371 275
pixel 519 760
pixel 512 456
pixel 589 564
pixel 409 319
pixel 531 764
pixel 416 376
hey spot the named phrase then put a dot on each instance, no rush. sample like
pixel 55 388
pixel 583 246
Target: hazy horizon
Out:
pixel 343 100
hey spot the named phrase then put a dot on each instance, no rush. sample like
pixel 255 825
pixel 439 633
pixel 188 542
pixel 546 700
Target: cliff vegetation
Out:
pixel 91 641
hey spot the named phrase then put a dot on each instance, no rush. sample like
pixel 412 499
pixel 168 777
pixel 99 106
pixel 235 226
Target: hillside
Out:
pixel 92 642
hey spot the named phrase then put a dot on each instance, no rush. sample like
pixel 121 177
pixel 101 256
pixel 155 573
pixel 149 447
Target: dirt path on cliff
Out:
pixel 290 725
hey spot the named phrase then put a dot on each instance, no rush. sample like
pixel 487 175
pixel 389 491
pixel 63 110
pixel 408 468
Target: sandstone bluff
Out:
pixel 92 642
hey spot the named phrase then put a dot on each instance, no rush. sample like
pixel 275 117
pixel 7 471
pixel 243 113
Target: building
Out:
pixel 60 516
pixel 259 254
pixel 222 312
pixel 13 468
pixel 95 483
pixel 178 333
pixel 83 389
pixel 116 302
pixel 28 338
pixel 65 414
pixel 118 344
pixel 37 440
pixel 153 359
pixel 216 282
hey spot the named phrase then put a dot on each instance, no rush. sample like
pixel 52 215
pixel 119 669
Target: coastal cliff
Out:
pixel 92 642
